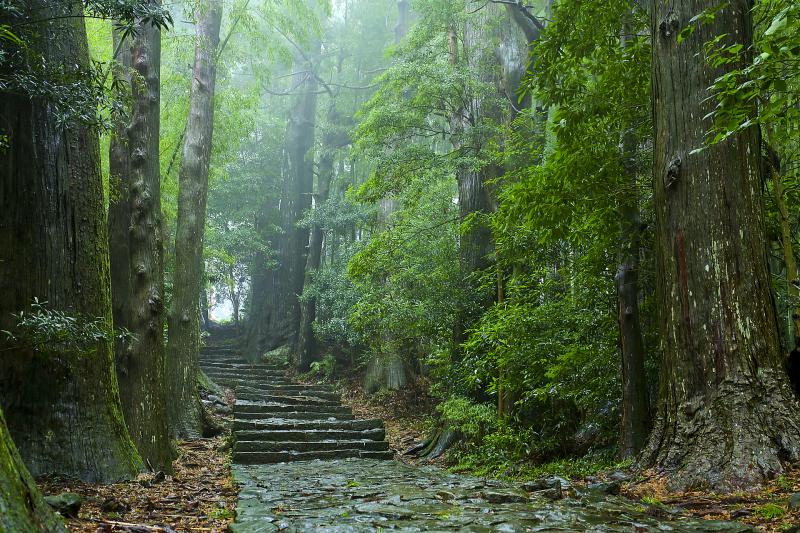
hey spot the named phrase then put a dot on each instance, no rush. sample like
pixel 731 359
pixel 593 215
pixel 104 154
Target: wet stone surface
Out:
pixel 365 495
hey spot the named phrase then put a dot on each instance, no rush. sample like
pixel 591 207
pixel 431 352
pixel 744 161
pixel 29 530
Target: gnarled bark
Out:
pixel 184 324
pixel 727 418
pixel 63 409
pixel 141 369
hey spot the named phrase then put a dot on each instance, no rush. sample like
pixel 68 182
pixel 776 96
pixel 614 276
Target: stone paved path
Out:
pixel 276 420
pixel 356 495
pixel 280 426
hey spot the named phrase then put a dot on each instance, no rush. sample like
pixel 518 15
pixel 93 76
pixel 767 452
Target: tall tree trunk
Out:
pixel 282 305
pixel 635 399
pixel 22 507
pixel 119 206
pixel 63 408
pixel 474 196
pixel 184 325
pixel 142 371
pixel 727 418
pixel 331 140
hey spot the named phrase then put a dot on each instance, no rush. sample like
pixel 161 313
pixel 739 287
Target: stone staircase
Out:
pixel 277 420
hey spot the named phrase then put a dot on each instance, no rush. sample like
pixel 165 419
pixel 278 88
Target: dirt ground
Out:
pixel 199 497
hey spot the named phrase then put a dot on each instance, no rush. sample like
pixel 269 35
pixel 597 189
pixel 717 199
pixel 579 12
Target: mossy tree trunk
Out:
pixel 22 508
pixel 275 304
pixel 119 206
pixel 332 140
pixel 184 324
pixel 63 409
pixel 142 367
pixel 727 418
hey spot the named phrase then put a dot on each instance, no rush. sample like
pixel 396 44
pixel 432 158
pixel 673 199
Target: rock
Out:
pixel 794 501
pixel 619 475
pixel 546 483
pixel 607 488
pixel 112 505
pixel 214 399
pixel 553 494
pixel 741 513
pixel 503 497
pixel 67 505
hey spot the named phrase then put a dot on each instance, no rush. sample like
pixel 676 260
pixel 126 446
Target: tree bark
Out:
pixel 727 418
pixel 63 409
pixel 635 399
pixel 142 369
pixel 119 206
pixel 331 141
pixel 22 507
pixel 276 291
pixel 184 324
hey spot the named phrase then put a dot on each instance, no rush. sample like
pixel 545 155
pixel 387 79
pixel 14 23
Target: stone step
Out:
pixel 309 446
pixel 248 407
pixel 263 375
pixel 291 387
pixel 310 435
pixel 258 377
pixel 254 378
pixel 276 394
pixel 298 413
pixel 296 400
pixel 243 365
pixel 286 424
pixel 255 458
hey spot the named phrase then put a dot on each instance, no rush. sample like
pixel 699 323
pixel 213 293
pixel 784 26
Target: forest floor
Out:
pixel 408 414
pixel 768 509
pixel 199 496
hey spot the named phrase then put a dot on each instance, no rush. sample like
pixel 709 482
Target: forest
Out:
pixel 548 240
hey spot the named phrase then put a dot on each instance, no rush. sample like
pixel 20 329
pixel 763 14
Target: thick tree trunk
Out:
pixel 119 206
pixel 306 342
pixel 284 284
pixel 474 202
pixel 184 324
pixel 141 372
pixel 635 420
pixel 727 418
pixel 63 409
pixel 22 507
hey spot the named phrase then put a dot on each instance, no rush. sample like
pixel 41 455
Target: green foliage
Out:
pixel 323 369
pixel 759 86
pixel 45 330
pixel 770 511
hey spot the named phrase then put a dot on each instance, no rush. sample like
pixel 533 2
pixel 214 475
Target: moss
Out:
pixel 770 511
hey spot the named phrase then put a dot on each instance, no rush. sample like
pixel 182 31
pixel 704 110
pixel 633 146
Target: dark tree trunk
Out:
pixel 119 206
pixel 331 140
pixel 142 370
pixel 184 325
pixel 727 418
pixel 474 196
pixel 284 283
pixel 63 409
pixel 22 507
pixel 635 398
